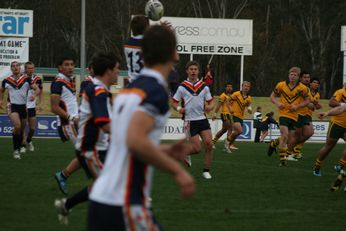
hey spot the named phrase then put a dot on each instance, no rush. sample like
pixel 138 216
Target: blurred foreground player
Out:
pixel 119 197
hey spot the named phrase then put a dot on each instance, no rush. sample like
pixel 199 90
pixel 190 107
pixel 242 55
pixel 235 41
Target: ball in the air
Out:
pixel 154 10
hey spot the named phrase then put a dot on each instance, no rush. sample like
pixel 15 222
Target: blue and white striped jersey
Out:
pixel 17 88
pixel 94 111
pixel 125 179
pixel 64 87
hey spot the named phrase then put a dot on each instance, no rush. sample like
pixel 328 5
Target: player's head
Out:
pixel 106 67
pixel 258 109
pixel 305 77
pixel 139 24
pixel 245 87
pixel 29 68
pixel 270 114
pixel 66 66
pixel 314 84
pixel 91 70
pixel 192 70
pixel 229 88
pixel 158 48
pixel 15 67
pixel 293 74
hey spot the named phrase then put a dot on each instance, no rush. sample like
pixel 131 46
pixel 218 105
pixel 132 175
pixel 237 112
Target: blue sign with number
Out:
pixel 46 126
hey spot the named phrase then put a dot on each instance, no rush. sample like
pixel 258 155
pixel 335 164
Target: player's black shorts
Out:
pixel 197 126
pixel 103 217
pixel 91 162
pixel 31 112
pixel 20 109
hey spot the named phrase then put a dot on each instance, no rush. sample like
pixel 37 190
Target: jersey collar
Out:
pixel 155 74
pixel 61 75
pixel 98 82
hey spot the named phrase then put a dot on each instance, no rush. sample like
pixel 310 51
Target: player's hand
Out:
pixel 280 106
pixel 180 150
pixel 321 115
pixel 208 108
pixel 32 98
pixel 249 110
pixel 293 108
pixel 186 183
pixel 166 23
pixel 311 106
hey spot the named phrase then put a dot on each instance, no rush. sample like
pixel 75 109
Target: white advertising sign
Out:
pixel 16 23
pixel 343 38
pixel 12 49
pixel 212 36
pixel 320 131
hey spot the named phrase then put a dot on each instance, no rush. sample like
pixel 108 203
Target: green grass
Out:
pixel 248 192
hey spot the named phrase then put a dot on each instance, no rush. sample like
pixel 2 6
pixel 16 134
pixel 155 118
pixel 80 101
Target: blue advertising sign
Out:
pixel 46 126
pixel 247 130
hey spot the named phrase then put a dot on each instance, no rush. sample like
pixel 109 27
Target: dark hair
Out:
pixel 229 84
pixel 14 62
pixel 304 73
pixel 315 79
pixel 103 62
pixel 191 63
pixel 138 24
pixel 63 59
pixel 258 108
pixel 158 45
pixel 270 114
pixel 29 63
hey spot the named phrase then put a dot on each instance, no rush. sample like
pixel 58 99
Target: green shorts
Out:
pixel 303 120
pixel 335 131
pixel 226 117
pixel 237 120
pixel 287 122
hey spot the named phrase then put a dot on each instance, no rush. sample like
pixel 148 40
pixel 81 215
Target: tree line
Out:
pixel 304 33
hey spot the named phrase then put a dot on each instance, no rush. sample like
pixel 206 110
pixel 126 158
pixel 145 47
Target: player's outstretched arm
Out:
pixel 334 111
pixel 333 102
pixel 140 145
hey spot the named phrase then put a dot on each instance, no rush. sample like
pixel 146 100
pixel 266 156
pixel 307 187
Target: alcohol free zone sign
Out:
pixel 212 36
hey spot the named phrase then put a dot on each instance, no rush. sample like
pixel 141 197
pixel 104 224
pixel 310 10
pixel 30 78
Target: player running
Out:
pixel 119 197
pixel 342 174
pixel 18 86
pixel 226 116
pixel 31 105
pixel 337 129
pixel 289 92
pixel 133 46
pixel 94 127
pixel 305 128
pixel 197 101
pixel 64 105
pixel 240 100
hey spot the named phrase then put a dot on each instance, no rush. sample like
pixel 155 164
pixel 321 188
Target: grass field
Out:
pixel 248 192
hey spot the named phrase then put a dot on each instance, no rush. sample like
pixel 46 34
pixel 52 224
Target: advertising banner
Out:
pixel 12 49
pixel 212 36
pixel 45 127
pixel 16 23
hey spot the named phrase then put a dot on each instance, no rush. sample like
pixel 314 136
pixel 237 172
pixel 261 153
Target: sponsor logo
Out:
pixel 42 124
pixel 246 134
pixel 211 31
